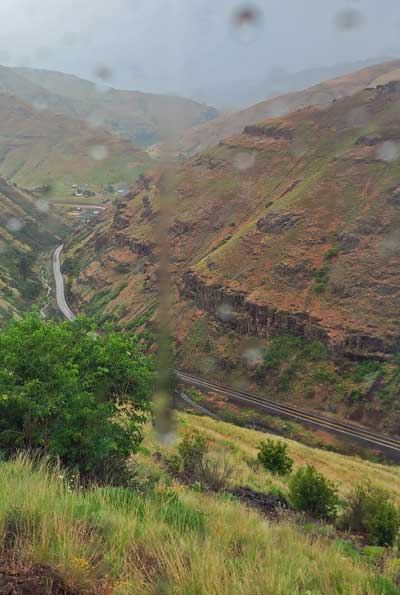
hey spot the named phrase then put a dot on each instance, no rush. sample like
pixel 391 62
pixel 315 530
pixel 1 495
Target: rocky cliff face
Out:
pixel 234 310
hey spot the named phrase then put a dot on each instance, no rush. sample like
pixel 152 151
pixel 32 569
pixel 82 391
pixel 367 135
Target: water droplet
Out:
pixel 168 439
pixel 103 72
pixel 225 312
pixel 391 244
pixel 388 151
pixel 348 19
pixel 42 205
pixel 99 152
pixel 14 224
pixel 253 357
pixel 243 161
pixel 246 19
pixel 40 105
pixel 277 108
pixel 95 120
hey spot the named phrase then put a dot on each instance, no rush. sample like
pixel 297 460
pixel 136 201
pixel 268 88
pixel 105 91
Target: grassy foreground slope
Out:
pixel 174 539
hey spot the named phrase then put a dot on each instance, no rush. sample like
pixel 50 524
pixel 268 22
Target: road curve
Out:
pixel 358 433
pixel 60 293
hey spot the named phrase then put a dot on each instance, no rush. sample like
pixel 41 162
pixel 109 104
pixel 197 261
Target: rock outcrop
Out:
pixel 235 310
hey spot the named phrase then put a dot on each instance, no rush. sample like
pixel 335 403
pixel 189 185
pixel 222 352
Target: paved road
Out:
pixel 78 205
pixel 384 443
pixel 60 293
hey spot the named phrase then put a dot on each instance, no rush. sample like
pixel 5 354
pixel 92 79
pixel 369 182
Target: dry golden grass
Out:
pixel 174 539
pixel 240 444
pixel 172 542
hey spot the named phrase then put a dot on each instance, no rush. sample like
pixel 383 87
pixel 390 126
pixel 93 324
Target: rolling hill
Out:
pixel 210 133
pixel 288 229
pixel 42 147
pixel 27 228
pixel 142 118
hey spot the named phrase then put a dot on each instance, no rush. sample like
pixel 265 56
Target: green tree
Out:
pixel 310 491
pixel 273 455
pixel 72 393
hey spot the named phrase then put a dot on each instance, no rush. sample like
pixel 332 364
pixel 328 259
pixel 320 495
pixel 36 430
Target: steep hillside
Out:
pixel 41 147
pixel 168 537
pixel 197 139
pixel 143 118
pixel 26 229
pixel 291 228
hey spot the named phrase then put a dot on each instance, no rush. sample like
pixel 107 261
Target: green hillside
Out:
pixel 27 228
pixel 43 148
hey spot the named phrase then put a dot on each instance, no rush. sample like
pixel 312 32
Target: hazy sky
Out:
pixel 193 47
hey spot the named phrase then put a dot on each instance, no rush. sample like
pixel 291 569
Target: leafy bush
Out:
pixel 310 491
pixel 321 277
pixel 196 467
pixel 368 509
pixel 70 393
pixel 273 455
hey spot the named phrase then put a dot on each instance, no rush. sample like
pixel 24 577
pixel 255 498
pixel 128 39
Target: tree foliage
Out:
pixel 273 455
pixel 72 393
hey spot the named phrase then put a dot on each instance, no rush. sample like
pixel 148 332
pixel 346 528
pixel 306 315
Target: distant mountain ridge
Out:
pixel 196 139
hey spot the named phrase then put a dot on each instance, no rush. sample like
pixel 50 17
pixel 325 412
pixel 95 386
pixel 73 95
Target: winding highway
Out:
pixel 390 446
pixel 60 292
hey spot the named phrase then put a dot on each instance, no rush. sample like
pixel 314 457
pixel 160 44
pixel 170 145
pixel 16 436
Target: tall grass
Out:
pixel 170 541
pixel 242 443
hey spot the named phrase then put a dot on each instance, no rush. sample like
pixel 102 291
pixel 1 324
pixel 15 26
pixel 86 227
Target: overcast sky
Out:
pixel 194 47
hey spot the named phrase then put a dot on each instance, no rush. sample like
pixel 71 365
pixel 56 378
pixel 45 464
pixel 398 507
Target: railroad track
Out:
pixel 351 431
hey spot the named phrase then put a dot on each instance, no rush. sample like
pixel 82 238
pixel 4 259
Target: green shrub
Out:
pixel 321 277
pixel 198 468
pixel 192 450
pixel 311 492
pixel 332 252
pixel 72 394
pixel 273 455
pixel 368 509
